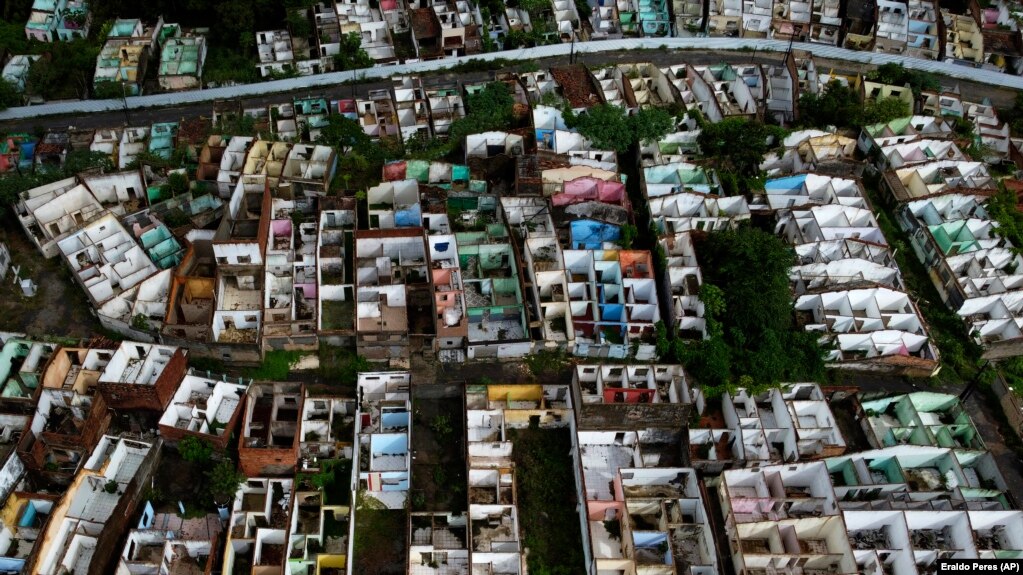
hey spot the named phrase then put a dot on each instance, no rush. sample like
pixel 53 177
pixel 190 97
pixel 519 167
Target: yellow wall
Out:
pixel 514 393
pixel 327 561
pixel 9 514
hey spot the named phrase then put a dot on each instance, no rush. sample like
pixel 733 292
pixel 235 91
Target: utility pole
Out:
pixel 972 385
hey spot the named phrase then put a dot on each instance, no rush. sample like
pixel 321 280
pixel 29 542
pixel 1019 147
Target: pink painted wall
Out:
pixel 595 509
pixel 281 227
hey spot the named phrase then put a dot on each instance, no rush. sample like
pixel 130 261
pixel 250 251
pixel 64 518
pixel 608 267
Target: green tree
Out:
pixel 178 183
pixel 78 161
pixel 494 99
pixel 649 124
pixel 235 19
pixel 736 147
pixel 884 110
pixel 65 71
pixel 836 105
pixel 298 24
pixel 222 481
pixel 343 134
pixel 604 125
pixel 195 450
pixel 629 233
pixel 608 127
pixel 351 55
pixel 9 94
pixel 109 91
pixel 899 75
pixel 756 341
pixel 1014 115
pixel 489 109
pixel 12 35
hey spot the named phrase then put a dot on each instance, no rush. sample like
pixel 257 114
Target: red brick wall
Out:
pixel 256 462
pixel 130 396
pixel 168 382
pixel 272 461
pixel 173 435
pixel 153 397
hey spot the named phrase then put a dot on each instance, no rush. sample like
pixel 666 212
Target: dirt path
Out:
pixel 59 308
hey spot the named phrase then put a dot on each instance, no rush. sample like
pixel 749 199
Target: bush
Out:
pixel 222 482
pixel 276 365
pixel 195 450
pixel 753 340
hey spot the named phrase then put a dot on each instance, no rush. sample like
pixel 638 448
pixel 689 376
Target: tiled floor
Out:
pixel 600 465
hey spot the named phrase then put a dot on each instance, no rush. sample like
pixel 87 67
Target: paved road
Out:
pixel 147 109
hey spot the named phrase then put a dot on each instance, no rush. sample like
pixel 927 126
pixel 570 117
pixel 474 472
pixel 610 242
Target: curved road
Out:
pixel 974 83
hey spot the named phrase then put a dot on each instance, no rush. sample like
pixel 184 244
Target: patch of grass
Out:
pixel 210 364
pixel 481 65
pixel 275 367
pixel 341 365
pixel 546 485
pixel 546 362
pixel 378 538
pixel 225 66
pixel 336 487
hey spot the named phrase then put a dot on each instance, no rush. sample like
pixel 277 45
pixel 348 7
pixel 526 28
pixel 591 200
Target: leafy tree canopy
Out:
pixel 836 105
pixel 753 341
pixel 65 71
pixel 298 24
pixel 884 110
pixel 1014 115
pixel 351 56
pixel 222 481
pixel 899 75
pixel 13 184
pixel 736 147
pixel 608 127
pixel 489 109
pixel 343 133
pixel 195 450
pixel 9 94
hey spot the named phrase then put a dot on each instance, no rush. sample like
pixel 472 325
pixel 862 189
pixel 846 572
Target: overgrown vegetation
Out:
pixel 9 94
pixel 545 485
pixel 491 108
pixel 736 147
pixel 838 105
pixel 1014 115
pixel 222 481
pixel 351 55
pixel 754 342
pixel 1002 208
pixel 195 450
pixel 546 363
pixel 960 355
pixel 333 479
pixel 341 365
pixel 275 366
pixel 608 127
pixel 209 364
pixel 12 184
pixel 361 159
pixel 899 75
pixel 377 542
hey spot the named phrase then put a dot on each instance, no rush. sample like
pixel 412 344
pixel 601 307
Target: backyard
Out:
pixel 379 546
pixel 546 499
pixel 438 471
pixel 59 306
